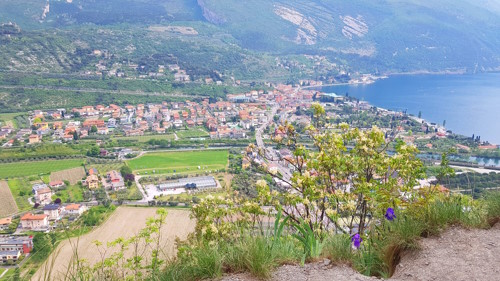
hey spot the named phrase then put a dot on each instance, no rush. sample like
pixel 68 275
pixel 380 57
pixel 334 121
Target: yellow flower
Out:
pixel 351 205
pixel 331 213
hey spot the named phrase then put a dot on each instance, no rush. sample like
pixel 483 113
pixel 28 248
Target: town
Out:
pixel 111 173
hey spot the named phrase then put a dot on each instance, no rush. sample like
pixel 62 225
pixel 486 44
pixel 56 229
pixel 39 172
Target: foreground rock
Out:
pixel 458 254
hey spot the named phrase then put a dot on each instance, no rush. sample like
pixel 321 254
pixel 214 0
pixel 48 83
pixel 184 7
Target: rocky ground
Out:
pixel 458 254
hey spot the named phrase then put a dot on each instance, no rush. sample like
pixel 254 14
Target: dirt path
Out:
pixel 457 255
pixel 124 222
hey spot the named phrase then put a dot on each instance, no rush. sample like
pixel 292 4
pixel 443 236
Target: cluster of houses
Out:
pixel 51 212
pixel 43 192
pixel 113 180
pixel 233 118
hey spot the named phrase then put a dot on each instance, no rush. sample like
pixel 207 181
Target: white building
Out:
pixel 53 211
pixel 31 221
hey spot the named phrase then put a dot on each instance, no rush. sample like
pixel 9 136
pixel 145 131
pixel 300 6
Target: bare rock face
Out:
pixel 210 15
pixel 354 27
pixel 306 32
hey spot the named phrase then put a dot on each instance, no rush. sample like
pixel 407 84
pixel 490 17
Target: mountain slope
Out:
pixel 368 36
pixel 405 35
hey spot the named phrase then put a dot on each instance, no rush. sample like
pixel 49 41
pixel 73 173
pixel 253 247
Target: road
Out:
pixel 284 171
pixel 477 170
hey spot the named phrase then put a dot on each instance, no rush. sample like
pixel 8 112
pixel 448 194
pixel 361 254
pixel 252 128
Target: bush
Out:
pixel 338 248
pixel 195 200
pixel 492 203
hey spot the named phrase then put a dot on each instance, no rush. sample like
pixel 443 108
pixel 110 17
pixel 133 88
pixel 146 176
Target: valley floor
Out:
pixel 458 254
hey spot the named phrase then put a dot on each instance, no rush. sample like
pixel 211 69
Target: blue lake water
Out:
pixel 470 104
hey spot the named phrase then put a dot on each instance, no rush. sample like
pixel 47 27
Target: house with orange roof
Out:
pixel 34 139
pixel 92 182
pixel 57 125
pixel 31 221
pixel 56 184
pixel 75 209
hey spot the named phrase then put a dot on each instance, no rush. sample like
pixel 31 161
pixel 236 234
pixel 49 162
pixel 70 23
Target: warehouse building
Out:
pixel 195 183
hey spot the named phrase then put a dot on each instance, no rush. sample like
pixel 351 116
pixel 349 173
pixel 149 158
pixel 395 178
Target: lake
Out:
pixel 470 104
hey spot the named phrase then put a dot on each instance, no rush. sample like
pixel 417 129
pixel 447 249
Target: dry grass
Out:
pixel 7 202
pixel 72 175
pixel 124 222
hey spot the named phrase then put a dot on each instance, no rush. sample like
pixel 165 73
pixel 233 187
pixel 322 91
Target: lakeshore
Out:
pixel 467 104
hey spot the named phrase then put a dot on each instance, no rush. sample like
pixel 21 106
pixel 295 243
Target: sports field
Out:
pixel 192 133
pixel 178 162
pixel 22 169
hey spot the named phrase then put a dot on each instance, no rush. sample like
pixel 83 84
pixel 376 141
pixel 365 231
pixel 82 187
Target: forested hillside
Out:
pixel 245 38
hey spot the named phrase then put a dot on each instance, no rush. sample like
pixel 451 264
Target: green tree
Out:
pixel 93 129
pixel 445 171
pixel 93 151
pixel 125 170
pixel 42 246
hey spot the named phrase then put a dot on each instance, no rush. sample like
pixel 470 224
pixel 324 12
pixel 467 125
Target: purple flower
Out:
pixel 356 240
pixel 389 214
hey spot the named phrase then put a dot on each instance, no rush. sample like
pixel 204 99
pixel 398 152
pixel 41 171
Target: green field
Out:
pixel 21 169
pixel 185 161
pixel 192 133
pixel 104 168
pixel 9 119
pixel 21 190
pixel 73 193
pixel 131 193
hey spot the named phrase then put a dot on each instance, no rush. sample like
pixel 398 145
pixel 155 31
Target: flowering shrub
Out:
pixel 221 217
pixel 346 181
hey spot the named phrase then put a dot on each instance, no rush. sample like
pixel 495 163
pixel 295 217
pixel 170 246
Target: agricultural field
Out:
pixel 72 175
pixel 9 119
pixel 192 133
pixel 7 202
pixel 21 191
pixel 21 169
pixel 119 224
pixel 72 193
pixel 180 162
pixel 131 193
pixel 104 168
